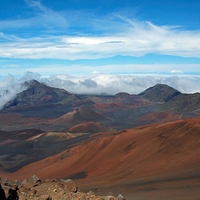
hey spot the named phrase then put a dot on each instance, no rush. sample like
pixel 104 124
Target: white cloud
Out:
pixel 175 71
pixel 9 87
pixel 116 35
pixel 98 83
pixel 92 37
pixel 137 38
pixel 112 84
pixel 41 18
pixel 49 69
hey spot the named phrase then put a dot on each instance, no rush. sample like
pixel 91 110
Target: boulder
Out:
pixel 34 180
pixel 120 197
pixel 69 185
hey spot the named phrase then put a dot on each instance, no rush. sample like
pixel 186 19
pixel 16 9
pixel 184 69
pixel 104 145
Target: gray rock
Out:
pixel 69 185
pixel 34 180
pixel 120 197
pixel 24 182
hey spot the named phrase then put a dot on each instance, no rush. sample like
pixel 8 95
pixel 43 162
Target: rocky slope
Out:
pixel 49 189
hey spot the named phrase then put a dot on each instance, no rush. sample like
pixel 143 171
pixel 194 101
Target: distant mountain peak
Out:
pixel 37 93
pixel 33 83
pixel 160 93
pixel 122 94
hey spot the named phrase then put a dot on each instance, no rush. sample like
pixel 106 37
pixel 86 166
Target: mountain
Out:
pixel 40 101
pixel 37 94
pixel 187 104
pixel 160 93
pixel 47 108
pixel 77 116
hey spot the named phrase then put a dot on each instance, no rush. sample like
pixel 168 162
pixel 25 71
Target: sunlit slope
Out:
pixel 127 155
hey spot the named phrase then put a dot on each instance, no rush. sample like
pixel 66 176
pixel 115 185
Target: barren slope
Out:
pixel 157 155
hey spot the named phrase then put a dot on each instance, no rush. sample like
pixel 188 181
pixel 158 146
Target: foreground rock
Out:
pixel 49 189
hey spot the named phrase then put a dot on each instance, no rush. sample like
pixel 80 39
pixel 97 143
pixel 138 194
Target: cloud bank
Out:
pixel 138 39
pixel 9 88
pixel 77 35
pixel 99 83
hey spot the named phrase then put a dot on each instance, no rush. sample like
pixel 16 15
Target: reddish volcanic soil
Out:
pixel 12 119
pixel 88 127
pixel 148 162
pixel 159 117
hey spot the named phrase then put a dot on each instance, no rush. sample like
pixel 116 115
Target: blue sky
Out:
pixel 107 36
pixel 95 47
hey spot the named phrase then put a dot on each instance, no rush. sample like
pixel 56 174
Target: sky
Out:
pixel 87 43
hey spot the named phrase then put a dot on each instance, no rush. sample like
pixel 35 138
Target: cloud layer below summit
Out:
pixel 99 83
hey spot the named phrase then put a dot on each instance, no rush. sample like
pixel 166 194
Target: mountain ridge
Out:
pixel 160 93
pixel 37 93
pixel 123 110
